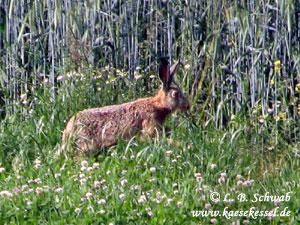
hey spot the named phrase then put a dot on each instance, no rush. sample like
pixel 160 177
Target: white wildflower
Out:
pixel 153 169
pixel 96 166
pixel 187 66
pixel 169 200
pixel 39 190
pixel 57 175
pixel 38 180
pixel 89 195
pixel 123 182
pixel 77 210
pixel 101 212
pixel 58 190
pixel 179 203
pixel 207 206
pixel 29 203
pixel 169 153
pixel 221 180
pixel 84 164
pixel 213 220
pixel 101 202
pixel 96 184
pixel 151 180
pixel 6 194
pixel 239 183
pixel 213 166
pixel 142 199
pixel 223 175
pixel 82 181
pixel 239 177
pixel 122 196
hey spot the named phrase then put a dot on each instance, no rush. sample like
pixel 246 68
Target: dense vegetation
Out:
pixel 240 71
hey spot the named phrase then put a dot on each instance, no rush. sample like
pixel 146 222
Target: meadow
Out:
pixel 238 160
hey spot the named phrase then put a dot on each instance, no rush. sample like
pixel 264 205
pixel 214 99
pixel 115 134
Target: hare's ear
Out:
pixel 164 72
pixel 172 72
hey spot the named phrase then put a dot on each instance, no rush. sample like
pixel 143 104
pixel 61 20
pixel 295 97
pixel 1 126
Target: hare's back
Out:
pixel 108 123
pixel 121 114
pixel 96 115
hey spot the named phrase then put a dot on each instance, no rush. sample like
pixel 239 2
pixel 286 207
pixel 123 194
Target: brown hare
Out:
pixel 97 128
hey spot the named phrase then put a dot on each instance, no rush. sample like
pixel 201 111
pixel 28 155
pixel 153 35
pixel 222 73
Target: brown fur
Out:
pixel 97 128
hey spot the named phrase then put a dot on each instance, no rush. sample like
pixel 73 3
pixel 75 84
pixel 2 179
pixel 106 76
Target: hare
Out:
pixel 97 128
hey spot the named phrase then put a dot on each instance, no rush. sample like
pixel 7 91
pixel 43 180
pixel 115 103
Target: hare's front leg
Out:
pixel 151 130
pixel 148 131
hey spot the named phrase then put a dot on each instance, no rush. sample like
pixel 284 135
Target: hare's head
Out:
pixel 171 96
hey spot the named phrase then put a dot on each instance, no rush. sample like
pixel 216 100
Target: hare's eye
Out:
pixel 174 94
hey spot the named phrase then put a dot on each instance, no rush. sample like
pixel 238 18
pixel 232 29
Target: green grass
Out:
pixel 240 72
pixel 141 183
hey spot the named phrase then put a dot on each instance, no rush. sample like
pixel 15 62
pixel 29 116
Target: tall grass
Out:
pixel 230 46
pixel 240 71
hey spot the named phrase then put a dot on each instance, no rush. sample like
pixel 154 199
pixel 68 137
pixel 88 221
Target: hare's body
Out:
pixel 97 128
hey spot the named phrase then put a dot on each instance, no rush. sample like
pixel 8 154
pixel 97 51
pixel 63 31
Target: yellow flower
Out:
pixel 138 76
pixel 277 65
pixel 97 76
pixel 25 102
pixel 261 120
pixel 122 74
pixel 297 88
pixel 59 78
pixel 282 115
pixel 272 82
pixel 277 118
pixel 23 96
pixel 259 107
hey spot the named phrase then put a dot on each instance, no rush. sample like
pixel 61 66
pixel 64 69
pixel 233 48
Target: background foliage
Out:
pixel 231 47
pixel 240 71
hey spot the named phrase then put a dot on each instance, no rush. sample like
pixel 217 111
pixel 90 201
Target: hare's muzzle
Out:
pixel 184 107
pixel 187 107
